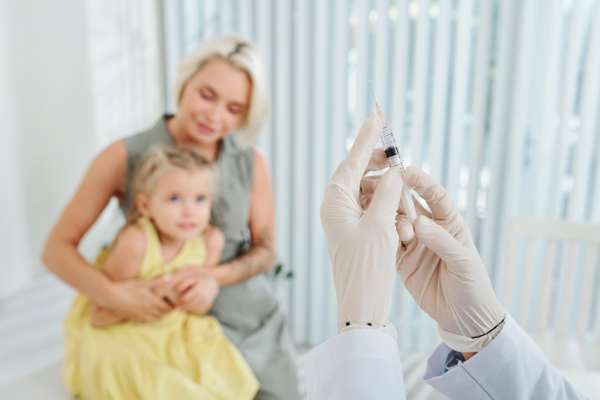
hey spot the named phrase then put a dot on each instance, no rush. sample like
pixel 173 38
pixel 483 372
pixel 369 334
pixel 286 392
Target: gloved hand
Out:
pixel 362 246
pixel 441 268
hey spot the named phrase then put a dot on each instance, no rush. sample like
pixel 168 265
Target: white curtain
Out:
pixel 498 100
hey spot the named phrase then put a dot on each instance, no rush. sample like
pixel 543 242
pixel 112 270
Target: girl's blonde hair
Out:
pixel 161 159
pixel 242 54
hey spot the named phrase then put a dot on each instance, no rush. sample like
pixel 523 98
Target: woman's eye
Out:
pixel 235 110
pixel 207 96
pixel 200 199
pixel 174 198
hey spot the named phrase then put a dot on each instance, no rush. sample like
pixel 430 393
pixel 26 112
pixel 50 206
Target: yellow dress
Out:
pixel 182 356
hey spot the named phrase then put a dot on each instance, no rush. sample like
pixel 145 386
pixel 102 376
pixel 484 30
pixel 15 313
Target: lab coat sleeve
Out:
pixel 511 367
pixel 355 365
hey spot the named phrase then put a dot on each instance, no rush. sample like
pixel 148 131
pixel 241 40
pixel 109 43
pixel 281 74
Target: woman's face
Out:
pixel 214 101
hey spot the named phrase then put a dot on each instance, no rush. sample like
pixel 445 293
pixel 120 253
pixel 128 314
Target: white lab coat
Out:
pixel 365 364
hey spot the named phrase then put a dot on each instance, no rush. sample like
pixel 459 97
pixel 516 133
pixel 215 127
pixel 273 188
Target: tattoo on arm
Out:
pixel 258 259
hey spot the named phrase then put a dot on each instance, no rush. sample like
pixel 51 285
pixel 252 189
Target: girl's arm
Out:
pixel 106 177
pixel 121 264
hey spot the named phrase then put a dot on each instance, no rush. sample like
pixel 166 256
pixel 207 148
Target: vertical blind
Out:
pixel 497 100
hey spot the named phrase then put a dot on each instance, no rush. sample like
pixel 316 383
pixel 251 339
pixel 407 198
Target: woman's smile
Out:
pixel 205 128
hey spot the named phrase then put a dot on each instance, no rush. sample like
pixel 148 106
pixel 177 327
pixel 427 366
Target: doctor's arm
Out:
pixel 485 354
pixel 362 360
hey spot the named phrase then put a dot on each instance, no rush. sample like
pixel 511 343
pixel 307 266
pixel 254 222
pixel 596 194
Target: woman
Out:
pixel 222 96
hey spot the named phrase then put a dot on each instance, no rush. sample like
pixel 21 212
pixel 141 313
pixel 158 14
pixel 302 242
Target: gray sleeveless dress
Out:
pixel 248 312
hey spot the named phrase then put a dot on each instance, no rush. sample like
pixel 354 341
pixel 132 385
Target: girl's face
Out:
pixel 214 101
pixel 179 205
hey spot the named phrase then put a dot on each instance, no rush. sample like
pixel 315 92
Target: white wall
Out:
pixel 14 266
pixel 46 125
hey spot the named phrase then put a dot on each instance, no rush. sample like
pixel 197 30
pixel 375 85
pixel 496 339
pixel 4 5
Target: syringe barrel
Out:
pixel 391 149
pixel 387 137
pixel 393 157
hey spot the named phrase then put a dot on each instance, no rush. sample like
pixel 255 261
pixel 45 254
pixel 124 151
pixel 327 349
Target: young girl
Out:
pixel 180 355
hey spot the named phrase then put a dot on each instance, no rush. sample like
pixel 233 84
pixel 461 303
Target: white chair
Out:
pixel 550 284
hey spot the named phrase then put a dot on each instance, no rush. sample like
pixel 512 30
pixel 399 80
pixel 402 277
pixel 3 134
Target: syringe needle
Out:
pixel 379 112
pixel 372 91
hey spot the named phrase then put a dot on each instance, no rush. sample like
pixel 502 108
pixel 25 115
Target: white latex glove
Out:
pixel 442 269
pixel 362 246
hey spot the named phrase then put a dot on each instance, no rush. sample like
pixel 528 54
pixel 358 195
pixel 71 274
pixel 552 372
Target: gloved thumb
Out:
pixel 387 195
pixel 439 240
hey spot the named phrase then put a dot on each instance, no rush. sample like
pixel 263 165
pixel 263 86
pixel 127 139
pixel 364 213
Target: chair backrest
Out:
pixel 550 283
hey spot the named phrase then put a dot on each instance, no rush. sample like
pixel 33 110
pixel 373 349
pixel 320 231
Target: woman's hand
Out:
pixel 138 300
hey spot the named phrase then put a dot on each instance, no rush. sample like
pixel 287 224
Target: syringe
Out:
pixel 393 157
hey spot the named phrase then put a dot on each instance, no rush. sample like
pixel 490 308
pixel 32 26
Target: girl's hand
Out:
pixel 167 284
pixel 197 294
pixel 138 301
pixel 165 288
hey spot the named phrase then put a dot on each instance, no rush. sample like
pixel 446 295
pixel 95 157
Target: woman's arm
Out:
pixel 215 242
pixel 261 256
pixel 105 177
pixel 121 264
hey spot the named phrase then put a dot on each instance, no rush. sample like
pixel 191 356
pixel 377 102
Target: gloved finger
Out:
pixel 439 240
pixel 349 172
pixel 378 160
pixel 338 210
pixel 406 231
pixel 368 184
pixel 385 200
pixel 367 189
pixel 431 191
pixel 365 201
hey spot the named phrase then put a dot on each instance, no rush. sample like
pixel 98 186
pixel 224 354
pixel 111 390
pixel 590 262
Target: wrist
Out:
pixel 388 327
pixel 470 346
pixel 222 273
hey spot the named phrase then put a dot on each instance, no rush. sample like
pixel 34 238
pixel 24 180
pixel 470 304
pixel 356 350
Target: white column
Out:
pixel 47 63
pixel 15 268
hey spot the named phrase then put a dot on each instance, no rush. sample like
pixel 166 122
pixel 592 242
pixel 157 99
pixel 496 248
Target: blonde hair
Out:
pixel 161 159
pixel 242 54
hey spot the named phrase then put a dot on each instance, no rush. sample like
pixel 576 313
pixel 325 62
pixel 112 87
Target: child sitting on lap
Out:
pixel 181 355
